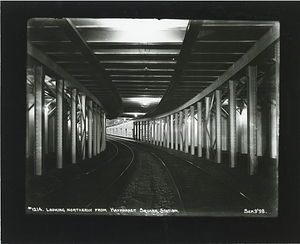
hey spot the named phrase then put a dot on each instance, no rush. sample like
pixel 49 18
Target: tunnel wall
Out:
pixel 241 123
pixel 124 130
pixel 63 125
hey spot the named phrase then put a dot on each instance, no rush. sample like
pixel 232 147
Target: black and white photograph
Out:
pixel 152 117
pixel 150 122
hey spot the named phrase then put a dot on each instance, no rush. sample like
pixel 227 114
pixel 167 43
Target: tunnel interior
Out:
pixel 206 88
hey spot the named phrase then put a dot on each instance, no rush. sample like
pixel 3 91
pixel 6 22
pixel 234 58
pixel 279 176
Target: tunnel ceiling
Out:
pixel 145 66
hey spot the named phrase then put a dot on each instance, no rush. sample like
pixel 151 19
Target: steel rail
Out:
pixel 130 163
pixel 200 168
pixel 170 175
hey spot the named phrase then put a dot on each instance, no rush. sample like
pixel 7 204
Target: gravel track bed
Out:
pixel 150 187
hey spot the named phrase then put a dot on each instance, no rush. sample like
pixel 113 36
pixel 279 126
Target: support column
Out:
pixel 151 132
pixel 168 131
pixel 186 145
pixel 139 130
pixel 134 130
pixel 180 131
pixel 38 119
pixel 172 131
pixel 218 126
pixel 273 125
pixel 90 128
pixel 251 120
pixel 46 123
pixel 145 131
pixel 207 127
pixel 155 132
pixel 274 110
pixel 232 124
pixel 73 124
pixel 176 131
pixel 192 109
pixel 83 126
pixel 98 130
pixel 59 122
pixel 148 131
pixel 142 130
pixel 162 132
pixel 95 130
pixel 199 128
pixel 104 130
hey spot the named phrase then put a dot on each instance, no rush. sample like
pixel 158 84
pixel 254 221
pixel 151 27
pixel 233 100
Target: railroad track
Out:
pixel 174 194
pixel 83 191
pixel 201 193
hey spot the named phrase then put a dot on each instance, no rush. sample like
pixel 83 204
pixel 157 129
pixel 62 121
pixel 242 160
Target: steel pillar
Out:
pixel 252 120
pixel 232 124
pixel 162 132
pixel 73 125
pixel 137 130
pixel 39 117
pixel 176 131
pixel 134 131
pixel 186 128
pixel 168 131
pixel 46 130
pixel 218 126
pixel 151 132
pixel 199 128
pixel 274 110
pixel 156 133
pixel 172 131
pixel 143 130
pixel 98 130
pixel 104 130
pixel 192 109
pixel 59 122
pixel 90 128
pixel 148 131
pixel 207 127
pixel 83 125
pixel 181 130
pixel 140 131
pixel 95 130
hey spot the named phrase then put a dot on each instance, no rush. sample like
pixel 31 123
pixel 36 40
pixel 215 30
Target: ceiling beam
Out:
pixel 45 60
pixel 265 41
pixel 190 38
pixel 71 32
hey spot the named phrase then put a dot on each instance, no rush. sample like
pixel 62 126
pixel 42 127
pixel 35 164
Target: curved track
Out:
pixel 155 158
pixel 85 189
pixel 202 194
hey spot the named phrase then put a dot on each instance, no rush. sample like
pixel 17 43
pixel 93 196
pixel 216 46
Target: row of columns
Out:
pixel 93 122
pixel 172 130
